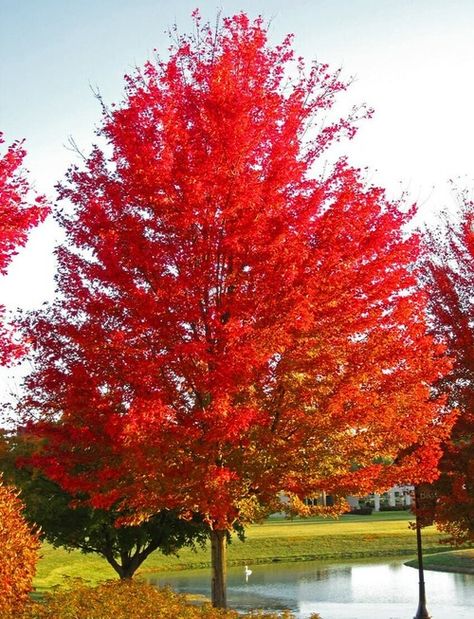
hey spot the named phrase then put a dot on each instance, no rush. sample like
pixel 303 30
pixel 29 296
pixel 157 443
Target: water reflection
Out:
pixel 361 590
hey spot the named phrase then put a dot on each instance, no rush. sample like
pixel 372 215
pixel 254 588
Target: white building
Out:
pixel 398 496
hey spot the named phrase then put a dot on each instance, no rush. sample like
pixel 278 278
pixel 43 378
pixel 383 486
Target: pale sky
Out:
pixel 413 62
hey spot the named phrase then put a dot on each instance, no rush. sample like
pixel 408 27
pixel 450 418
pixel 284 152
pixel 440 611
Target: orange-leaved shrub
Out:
pixel 130 600
pixel 18 554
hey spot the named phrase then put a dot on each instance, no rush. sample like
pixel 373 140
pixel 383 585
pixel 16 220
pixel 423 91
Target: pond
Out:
pixel 350 590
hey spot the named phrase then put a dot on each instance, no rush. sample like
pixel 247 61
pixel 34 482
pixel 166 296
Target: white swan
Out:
pixel 247 572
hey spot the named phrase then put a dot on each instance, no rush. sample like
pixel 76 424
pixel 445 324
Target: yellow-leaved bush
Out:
pixel 19 546
pixel 130 600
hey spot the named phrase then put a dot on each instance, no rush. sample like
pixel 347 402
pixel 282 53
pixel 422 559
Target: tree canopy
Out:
pixel 450 273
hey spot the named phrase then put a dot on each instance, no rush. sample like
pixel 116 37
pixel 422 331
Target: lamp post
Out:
pixel 425 499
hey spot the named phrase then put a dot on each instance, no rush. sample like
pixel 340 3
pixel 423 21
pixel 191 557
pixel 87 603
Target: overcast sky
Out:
pixel 413 62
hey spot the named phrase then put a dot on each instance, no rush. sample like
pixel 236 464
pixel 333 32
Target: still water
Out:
pixel 350 590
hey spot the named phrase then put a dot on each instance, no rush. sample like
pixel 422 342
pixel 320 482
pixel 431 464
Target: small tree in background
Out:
pixel 67 521
pixel 232 322
pixel 450 272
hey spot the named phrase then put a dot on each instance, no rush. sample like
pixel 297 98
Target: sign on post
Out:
pixel 425 504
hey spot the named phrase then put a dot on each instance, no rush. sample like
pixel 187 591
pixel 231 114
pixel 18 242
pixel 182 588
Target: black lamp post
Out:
pixel 424 498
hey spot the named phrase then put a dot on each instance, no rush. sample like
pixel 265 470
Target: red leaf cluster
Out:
pixel 17 217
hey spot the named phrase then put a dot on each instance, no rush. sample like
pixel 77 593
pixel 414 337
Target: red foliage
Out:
pixel 232 325
pixel 19 555
pixel 17 217
pixel 450 261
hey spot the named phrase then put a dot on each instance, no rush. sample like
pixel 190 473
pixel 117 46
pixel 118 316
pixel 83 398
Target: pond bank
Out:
pixel 456 561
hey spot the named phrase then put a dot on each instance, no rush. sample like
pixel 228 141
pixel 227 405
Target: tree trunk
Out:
pixel 128 566
pixel 127 572
pixel 219 569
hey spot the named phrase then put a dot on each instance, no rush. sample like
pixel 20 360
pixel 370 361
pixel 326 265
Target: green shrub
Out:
pixel 361 511
pixel 129 600
pixel 393 508
pixel 18 554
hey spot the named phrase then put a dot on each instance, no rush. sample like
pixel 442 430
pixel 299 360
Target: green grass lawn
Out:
pixel 278 539
pixel 453 561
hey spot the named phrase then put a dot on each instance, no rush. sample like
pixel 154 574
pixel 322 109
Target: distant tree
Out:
pixel 66 520
pixel 18 543
pixel 18 553
pixel 232 323
pixel 450 272
pixel 19 212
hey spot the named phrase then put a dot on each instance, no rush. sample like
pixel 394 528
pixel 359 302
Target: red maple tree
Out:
pixel 17 216
pixel 233 323
pixel 450 269
pixel 19 544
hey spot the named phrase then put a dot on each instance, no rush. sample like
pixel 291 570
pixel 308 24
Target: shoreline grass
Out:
pixel 382 534
pixel 457 561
